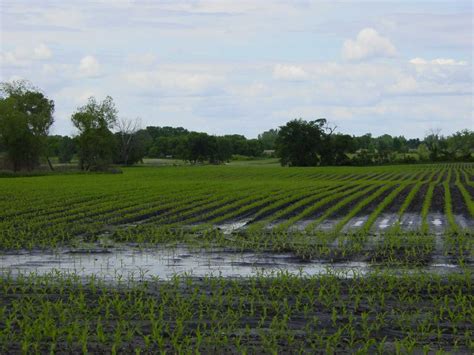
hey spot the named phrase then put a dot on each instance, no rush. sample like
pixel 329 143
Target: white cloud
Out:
pixel 42 52
pixel 289 72
pixel 22 56
pixel 67 18
pixel 443 71
pixel 437 61
pixel 368 44
pixel 404 84
pixel 143 60
pixel 89 66
pixel 169 82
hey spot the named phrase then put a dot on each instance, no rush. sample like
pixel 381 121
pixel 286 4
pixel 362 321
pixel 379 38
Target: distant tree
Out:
pixel 223 150
pixel 254 148
pixel 363 157
pixel 300 143
pixel 338 147
pixel 400 144
pixel 52 145
pixel 364 142
pixel 163 147
pixel 96 142
pixel 200 147
pixel 239 144
pixel 137 148
pixel 413 143
pixel 26 115
pixel 66 150
pixel 384 144
pixel 127 128
pixel 267 139
pixel 62 147
pixel 461 144
pixel 157 132
pixel 423 152
pixel 433 143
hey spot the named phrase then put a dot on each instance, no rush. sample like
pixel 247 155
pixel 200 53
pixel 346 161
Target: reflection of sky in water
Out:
pixel 165 263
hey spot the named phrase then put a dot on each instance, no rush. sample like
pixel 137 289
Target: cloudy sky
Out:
pixel 398 67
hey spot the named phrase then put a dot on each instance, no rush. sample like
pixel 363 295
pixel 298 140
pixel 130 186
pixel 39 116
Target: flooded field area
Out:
pixel 166 263
pixel 239 260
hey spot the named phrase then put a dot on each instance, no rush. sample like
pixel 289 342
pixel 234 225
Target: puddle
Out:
pixel 354 224
pixel 437 222
pixel 410 221
pixel 228 228
pixel 327 224
pixel 166 263
pixel 464 222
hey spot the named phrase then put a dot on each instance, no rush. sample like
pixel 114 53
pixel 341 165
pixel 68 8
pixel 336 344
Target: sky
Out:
pixel 402 67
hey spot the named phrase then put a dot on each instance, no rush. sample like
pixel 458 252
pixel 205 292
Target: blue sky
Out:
pixel 397 67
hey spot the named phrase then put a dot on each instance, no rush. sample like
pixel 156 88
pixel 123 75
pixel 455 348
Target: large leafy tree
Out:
pixel 268 139
pixel 26 115
pixel 96 142
pixel 301 143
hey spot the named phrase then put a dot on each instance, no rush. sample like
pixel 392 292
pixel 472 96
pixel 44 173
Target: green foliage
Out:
pixel 268 139
pixel 280 312
pixel 301 143
pixel 96 143
pixel 269 199
pixel 132 147
pixel 66 150
pixel 26 115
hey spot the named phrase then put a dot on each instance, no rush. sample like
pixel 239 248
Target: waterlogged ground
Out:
pixel 164 263
pixel 437 223
pixel 239 260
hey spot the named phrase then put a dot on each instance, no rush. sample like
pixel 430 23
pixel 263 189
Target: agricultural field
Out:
pixel 240 258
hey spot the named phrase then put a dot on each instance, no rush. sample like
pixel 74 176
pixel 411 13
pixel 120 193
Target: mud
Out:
pixel 372 205
pixel 344 210
pixel 394 206
pixel 457 202
pixel 416 204
pixel 437 201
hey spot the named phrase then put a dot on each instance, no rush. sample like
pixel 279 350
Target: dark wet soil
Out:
pixel 369 208
pixel 470 189
pixel 255 314
pixel 397 202
pixel 417 203
pixel 437 201
pixel 344 210
pixel 458 203
pixel 142 217
pixel 181 215
pixel 277 208
pixel 320 211
pixel 438 176
pixel 306 205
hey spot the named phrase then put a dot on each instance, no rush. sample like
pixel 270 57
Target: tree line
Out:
pixel 103 138
pixel 312 143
